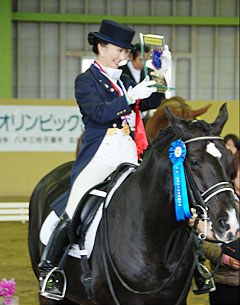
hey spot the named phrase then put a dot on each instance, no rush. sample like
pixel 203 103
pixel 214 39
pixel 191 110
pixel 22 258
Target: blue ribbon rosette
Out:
pixel 156 59
pixel 177 154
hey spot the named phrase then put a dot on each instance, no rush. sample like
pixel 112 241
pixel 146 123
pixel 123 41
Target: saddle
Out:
pixel 91 201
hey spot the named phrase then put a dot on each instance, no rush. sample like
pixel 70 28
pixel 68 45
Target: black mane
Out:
pixel 166 135
pixel 163 137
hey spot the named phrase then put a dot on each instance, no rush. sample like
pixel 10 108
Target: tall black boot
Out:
pixel 52 279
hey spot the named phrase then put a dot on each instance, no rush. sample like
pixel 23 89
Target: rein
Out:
pixel 107 256
pixel 198 200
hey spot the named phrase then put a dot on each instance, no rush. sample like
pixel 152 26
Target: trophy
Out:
pixel 159 66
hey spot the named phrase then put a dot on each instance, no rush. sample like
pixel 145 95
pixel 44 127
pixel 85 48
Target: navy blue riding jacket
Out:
pixel 101 108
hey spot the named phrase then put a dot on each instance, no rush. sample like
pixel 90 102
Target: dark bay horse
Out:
pixel 178 105
pixel 142 254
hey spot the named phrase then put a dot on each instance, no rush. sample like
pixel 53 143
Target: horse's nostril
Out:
pixel 230 236
pixel 222 225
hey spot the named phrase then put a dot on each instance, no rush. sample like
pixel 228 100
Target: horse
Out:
pixel 159 120
pixel 143 254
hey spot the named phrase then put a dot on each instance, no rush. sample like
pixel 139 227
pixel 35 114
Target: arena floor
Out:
pixel 15 263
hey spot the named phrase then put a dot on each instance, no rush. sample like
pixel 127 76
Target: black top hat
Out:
pixel 113 32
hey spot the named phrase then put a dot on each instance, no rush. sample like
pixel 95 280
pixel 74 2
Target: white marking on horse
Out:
pixel 213 150
pixel 233 221
pixel 234 227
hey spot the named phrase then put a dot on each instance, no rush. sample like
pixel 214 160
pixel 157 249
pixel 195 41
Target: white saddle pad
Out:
pixel 52 220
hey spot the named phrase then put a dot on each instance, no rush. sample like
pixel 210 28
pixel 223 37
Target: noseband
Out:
pixel 215 189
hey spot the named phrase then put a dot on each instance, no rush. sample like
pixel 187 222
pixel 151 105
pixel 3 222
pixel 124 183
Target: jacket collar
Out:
pixel 103 80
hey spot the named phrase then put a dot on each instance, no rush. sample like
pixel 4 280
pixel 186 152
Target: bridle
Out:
pixel 213 190
pixel 198 200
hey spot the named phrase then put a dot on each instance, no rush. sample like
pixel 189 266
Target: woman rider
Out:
pixel 105 98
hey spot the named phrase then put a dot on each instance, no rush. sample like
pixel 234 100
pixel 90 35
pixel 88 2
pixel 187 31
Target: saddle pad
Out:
pixel 52 220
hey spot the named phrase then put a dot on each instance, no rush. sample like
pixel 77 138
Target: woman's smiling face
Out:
pixel 110 56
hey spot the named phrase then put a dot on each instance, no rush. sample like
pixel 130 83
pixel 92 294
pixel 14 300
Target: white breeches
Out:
pixel 114 150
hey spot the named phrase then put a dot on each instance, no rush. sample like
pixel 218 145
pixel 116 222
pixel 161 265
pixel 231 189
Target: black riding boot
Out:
pixel 52 279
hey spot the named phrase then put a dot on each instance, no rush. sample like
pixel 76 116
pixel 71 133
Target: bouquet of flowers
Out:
pixel 7 289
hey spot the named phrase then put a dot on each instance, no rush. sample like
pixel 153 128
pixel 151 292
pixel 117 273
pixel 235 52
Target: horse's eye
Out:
pixel 194 162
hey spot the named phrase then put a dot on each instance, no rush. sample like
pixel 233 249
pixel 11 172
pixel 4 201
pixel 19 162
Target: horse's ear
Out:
pixel 197 112
pixel 178 125
pixel 220 121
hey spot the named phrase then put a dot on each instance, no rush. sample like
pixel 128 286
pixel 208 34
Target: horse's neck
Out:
pixel 155 203
pixel 142 215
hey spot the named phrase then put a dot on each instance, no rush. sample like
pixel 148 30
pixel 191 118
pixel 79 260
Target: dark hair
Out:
pixel 235 165
pixel 137 49
pixel 234 138
pixel 93 41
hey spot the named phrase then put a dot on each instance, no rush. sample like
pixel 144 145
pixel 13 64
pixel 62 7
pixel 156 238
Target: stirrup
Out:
pixel 44 285
pixel 206 274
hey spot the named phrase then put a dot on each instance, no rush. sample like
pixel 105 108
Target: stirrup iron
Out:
pixel 44 285
pixel 209 281
pixel 210 278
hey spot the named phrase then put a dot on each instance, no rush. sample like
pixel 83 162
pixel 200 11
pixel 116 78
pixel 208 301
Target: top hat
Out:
pixel 114 33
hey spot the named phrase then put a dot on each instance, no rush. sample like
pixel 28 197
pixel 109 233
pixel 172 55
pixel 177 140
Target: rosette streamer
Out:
pixel 177 154
pixel 140 134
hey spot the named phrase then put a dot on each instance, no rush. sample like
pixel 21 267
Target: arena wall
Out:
pixel 21 171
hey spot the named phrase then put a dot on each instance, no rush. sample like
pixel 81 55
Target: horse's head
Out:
pixel 179 107
pixel 208 168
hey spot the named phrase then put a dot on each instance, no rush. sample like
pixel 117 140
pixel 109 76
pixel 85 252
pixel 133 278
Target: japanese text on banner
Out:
pixel 39 128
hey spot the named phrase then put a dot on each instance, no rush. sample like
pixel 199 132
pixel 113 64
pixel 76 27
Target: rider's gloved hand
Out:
pixel 166 62
pixel 142 90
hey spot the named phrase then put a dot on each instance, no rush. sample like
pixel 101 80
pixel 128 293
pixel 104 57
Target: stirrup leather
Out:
pixel 44 285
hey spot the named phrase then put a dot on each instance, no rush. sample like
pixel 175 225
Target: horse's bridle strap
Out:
pixel 215 189
pixel 203 138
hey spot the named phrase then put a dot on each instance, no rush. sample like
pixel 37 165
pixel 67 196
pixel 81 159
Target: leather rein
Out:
pixel 198 200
